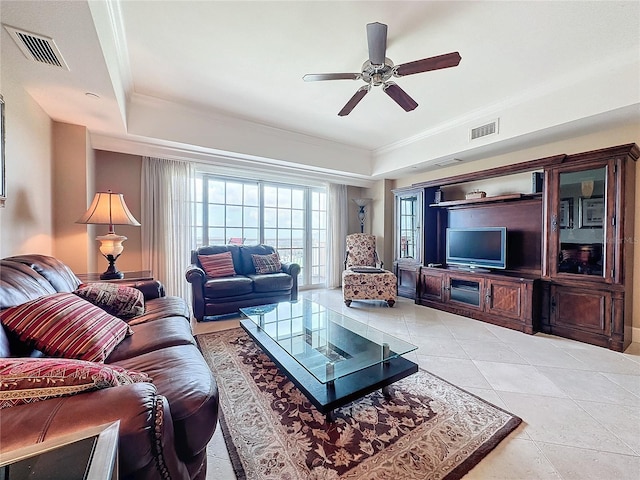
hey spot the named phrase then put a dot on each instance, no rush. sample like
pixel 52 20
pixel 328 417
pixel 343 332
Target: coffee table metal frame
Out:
pixel 336 393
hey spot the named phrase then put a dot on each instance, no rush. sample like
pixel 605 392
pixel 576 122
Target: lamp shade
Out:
pixel 108 208
pixel 361 202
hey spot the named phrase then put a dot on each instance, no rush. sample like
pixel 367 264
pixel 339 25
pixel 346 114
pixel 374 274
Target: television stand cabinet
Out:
pixel 501 299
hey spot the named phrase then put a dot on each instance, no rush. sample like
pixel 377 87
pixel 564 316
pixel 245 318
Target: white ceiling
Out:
pixel 224 78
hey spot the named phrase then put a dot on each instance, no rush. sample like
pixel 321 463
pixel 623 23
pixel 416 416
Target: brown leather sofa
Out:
pixel 165 426
pixel 218 296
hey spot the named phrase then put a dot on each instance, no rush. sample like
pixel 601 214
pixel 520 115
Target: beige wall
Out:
pixel 120 173
pixel 381 218
pixel 72 180
pixel 26 224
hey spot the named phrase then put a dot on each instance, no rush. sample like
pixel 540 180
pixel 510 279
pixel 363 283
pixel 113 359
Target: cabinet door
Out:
pixel 466 291
pixel 576 310
pixel 432 285
pixel 407 274
pixel 504 298
pixel 408 238
pixel 582 205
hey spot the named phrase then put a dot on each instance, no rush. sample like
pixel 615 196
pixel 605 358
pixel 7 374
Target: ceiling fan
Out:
pixel 379 69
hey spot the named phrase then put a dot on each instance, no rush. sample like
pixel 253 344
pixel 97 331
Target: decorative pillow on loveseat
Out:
pixel 118 300
pixel 28 380
pixel 267 263
pixel 65 325
pixel 217 265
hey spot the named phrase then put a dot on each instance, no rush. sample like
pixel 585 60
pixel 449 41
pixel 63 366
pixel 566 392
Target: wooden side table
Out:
pixel 139 276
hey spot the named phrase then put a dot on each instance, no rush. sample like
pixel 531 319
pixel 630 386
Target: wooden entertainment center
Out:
pixel 569 268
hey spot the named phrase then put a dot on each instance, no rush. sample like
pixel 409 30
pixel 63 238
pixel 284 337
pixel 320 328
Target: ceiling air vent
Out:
pixel 490 128
pixel 37 47
pixel 451 161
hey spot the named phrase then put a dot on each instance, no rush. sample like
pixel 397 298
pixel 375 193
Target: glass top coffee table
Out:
pixel 331 358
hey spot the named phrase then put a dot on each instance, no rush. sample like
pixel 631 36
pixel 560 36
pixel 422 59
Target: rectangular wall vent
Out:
pixel 485 130
pixel 37 47
pixel 451 161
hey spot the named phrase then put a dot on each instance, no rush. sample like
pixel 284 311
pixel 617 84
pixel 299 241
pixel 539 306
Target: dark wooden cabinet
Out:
pixel 590 215
pixel 494 298
pixel 570 248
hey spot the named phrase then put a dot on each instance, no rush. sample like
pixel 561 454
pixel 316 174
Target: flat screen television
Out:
pixel 479 247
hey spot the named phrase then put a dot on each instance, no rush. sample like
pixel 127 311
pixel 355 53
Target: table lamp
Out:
pixel 108 208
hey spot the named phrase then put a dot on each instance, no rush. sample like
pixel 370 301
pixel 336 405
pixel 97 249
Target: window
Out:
pixel 291 218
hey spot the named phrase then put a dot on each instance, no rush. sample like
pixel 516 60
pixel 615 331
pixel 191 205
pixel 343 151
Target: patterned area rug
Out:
pixel 429 429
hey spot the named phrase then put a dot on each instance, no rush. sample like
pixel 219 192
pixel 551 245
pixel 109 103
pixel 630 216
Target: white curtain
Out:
pixel 167 222
pixel 337 226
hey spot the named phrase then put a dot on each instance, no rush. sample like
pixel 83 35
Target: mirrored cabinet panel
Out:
pixel 409 224
pixel 408 238
pixel 581 221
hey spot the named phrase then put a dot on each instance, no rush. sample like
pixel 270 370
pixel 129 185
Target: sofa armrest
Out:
pixel 146 446
pixel 292 269
pixel 197 278
pixel 150 288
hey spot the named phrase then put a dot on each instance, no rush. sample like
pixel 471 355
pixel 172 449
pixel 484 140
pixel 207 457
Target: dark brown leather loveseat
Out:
pixel 218 296
pixel 165 426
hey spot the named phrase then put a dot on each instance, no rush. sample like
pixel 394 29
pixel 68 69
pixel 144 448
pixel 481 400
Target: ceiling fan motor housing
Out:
pixel 377 74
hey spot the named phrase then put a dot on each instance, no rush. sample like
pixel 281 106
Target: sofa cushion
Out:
pixel 246 266
pixel 217 265
pixel 27 380
pixel 228 287
pixel 267 263
pixel 271 283
pixel 65 325
pixel 154 335
pixel 162 307
pixel 118 300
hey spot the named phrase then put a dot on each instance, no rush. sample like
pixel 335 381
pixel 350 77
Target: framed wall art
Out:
pixel 591 212
pixel 566 213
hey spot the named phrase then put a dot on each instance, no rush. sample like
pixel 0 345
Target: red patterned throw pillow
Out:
pixel 267 263
pixel 28 380
pixel 118 300
pixel 217 265
pixel 65 325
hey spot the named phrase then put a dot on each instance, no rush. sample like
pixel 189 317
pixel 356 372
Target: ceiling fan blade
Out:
pixel 359 95
pixel 315 77
pixel 399 96
pixel 427 64
pixel 377 41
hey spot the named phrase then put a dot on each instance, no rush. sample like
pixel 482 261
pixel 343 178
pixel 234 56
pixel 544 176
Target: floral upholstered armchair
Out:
pixel 363 277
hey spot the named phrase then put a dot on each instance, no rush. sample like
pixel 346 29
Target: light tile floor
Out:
pixel 580 404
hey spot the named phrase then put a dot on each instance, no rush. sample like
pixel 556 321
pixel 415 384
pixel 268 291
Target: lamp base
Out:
pixel 112 272
pixel 111 275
